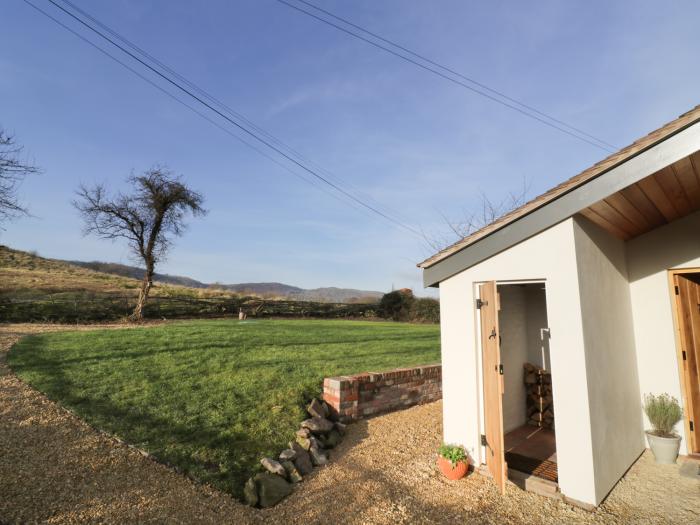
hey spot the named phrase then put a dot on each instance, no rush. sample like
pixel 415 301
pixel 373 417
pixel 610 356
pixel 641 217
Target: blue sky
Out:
pixel 413 142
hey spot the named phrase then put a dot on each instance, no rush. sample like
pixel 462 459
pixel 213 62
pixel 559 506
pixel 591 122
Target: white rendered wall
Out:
pixel 512 320
pixel 611 363
pixel 548 256
pixel 649 256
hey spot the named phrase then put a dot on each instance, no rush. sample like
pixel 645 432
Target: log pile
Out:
pixel 538 386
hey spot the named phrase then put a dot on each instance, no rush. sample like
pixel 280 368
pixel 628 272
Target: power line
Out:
pixel 180 101
pixel 196 111
pixel 481 89
pixel 458 74
pixel 232 112
pixel 243 128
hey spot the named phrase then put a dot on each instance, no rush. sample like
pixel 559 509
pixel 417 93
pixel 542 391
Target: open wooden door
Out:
pixel 687 291
pixel 493 383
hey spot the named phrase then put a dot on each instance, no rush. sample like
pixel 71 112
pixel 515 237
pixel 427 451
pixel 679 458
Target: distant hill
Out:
pixel 266 290
pixel 24 275
pixel 34 288
pixel 134 272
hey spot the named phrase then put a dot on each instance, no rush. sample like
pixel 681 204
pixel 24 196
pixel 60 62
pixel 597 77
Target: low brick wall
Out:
pixel 361 395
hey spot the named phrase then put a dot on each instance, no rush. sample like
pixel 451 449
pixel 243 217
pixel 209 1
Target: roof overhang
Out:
pixel 580 198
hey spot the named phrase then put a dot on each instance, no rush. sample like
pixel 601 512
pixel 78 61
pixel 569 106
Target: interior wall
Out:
pixel 522 317
pixel 611 360
pixel 537 326
pixel 512 320
pixel 649 257
pixel 548 256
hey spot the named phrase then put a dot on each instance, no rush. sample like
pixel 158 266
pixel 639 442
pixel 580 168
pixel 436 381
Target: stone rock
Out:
pixel 318 458
pixel 317 409
pixel 316 441
pixel 296 447
pixel 317 425
pixel 303 432
pixel 332 439
pixel 274 467
pixel 340 427
pixel 271 489
pixel 288 454
pixel 333 414
pixel 250 492
pixel 303 463
pixel 305 443
pixel 293 474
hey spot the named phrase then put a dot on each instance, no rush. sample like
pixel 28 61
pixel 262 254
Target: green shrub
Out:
pixel 663 412
pixel 425 310
pixel 453 453
pixel 396 305
pixel 401 305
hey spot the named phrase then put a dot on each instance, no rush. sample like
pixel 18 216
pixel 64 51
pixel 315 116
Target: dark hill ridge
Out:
pixel 262 288
pixel 133 272
pixel 328 294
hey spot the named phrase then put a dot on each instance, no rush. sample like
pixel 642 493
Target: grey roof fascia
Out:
pixel 675 147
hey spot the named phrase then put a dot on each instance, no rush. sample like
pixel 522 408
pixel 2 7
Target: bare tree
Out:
pixel 12 172
pixel 147 218
pixel 488 211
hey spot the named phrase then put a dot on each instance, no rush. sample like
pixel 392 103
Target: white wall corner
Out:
pixel 610 354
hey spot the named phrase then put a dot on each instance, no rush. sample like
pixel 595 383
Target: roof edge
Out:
pixel 674 146
pixel 599 169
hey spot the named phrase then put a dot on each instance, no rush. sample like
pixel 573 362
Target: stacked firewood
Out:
pixel 538 385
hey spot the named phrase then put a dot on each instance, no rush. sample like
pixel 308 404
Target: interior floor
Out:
pixel 532 450
pixel 533 442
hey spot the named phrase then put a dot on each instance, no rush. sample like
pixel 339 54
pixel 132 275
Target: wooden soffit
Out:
pixel 669 194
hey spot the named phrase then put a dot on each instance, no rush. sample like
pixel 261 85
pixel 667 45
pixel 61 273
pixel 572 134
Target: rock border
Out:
pixel 308 449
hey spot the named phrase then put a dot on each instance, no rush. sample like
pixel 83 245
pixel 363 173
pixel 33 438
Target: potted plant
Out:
pixel 453 461
pixel 663 412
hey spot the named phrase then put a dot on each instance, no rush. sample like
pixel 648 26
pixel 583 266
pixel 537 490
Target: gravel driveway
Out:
pixel 54 468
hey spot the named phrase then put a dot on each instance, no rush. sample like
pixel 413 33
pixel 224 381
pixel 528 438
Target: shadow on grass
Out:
pixel 205 435
pixel 225 460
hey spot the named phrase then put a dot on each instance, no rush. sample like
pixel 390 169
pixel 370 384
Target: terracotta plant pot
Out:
pixel 453 473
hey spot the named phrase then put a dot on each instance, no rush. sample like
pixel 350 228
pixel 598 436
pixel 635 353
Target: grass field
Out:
pixel 212 397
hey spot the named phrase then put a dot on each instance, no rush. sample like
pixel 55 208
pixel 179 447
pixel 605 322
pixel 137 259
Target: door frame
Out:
pixel 692 440
pixel 481 408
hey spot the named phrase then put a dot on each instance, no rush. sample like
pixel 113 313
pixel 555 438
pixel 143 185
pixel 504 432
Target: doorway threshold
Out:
pixel 535 484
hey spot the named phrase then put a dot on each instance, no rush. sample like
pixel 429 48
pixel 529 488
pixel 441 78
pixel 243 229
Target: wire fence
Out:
pixel 110 308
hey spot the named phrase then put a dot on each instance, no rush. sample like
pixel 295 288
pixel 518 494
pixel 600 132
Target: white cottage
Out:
pixel 597 284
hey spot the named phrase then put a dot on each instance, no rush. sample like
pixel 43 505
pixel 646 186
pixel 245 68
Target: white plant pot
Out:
pixel 665 449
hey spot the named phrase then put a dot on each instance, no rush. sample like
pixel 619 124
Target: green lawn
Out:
pixel 212 397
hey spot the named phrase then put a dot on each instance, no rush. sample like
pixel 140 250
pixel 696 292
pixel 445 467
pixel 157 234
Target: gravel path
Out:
pixel 54 468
